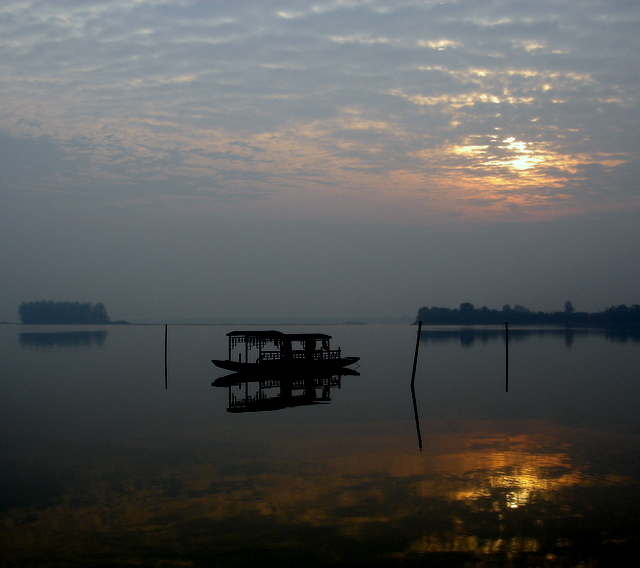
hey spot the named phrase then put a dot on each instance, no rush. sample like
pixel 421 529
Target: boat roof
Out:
pixel 268 335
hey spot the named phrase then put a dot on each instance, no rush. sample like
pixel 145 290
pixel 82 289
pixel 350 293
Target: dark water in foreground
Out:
pixel 101 465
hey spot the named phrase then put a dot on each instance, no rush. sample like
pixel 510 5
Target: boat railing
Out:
pixel 270 355
pixel 248 399
pixel 298 384
pixel 318 355
pixel 269 383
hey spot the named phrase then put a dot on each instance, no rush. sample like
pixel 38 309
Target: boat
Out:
pixel 274 352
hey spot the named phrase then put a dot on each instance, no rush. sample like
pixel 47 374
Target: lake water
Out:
pixel 100 464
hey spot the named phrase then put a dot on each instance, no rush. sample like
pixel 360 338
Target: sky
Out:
pixel 337 160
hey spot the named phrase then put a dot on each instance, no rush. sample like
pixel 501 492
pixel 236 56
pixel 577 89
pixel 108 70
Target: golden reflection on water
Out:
pixel 481 489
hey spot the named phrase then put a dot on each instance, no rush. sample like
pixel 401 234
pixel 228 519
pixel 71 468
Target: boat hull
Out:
pixel 285 367
pixel 235 379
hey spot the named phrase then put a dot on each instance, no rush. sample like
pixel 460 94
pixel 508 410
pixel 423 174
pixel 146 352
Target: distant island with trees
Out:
pixel 49 312
pixel 467 314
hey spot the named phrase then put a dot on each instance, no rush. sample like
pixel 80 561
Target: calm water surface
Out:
pixel 100 464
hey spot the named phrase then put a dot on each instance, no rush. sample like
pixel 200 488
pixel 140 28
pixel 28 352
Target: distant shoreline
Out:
pixel 615 317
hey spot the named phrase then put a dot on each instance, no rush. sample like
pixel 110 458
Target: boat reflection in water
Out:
pixel 252 393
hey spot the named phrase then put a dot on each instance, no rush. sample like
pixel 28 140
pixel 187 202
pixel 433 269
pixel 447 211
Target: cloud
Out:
pixel 148 89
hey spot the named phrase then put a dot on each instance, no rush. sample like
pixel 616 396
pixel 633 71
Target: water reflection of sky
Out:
pixel 101 464
pixel 485 489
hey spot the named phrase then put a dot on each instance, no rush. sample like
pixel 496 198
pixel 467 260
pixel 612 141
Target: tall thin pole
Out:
pixel 506 355
pixel 413 389
pixel 166 384
pixel 415 356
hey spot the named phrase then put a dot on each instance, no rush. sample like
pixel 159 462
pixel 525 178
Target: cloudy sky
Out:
pixel 351 159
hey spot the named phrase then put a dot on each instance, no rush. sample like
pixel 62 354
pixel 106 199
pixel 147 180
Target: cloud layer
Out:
pixel 412 109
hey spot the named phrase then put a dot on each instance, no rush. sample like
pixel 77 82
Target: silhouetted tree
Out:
pixel 49 312
pixel 614 317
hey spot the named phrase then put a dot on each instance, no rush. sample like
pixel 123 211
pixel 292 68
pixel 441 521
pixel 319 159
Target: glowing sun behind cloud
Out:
pixel 524 157
pixel 510 156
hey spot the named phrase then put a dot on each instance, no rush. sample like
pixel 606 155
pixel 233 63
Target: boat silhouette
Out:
pixel 268 352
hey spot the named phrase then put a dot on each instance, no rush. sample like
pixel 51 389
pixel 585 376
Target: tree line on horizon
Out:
pixel 49 312
pixel 614 316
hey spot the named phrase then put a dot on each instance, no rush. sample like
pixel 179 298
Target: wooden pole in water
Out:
pixel 506 353
pixel 166 384
pixel 415 356
pixel 413 389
